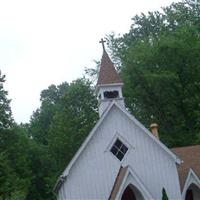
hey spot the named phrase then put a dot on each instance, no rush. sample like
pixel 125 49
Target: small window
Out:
pixel 119 149
pixel 111 94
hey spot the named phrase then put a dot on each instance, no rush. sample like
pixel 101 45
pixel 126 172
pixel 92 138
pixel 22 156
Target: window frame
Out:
pixel 120 153
pixel 119 136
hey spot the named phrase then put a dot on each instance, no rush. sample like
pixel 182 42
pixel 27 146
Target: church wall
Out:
pixel 93 174
pixel 152 164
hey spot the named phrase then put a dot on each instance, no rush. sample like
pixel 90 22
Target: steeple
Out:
pixel 109 84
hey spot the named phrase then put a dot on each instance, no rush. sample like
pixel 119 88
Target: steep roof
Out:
pixel 107 72
pixel 191 159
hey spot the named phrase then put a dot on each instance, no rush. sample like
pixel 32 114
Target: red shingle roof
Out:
pixel 191 159
pixel 107 73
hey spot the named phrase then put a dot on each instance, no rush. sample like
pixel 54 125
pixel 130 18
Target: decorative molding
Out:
pixel 192 178
pixel 138 184
pixel 123 140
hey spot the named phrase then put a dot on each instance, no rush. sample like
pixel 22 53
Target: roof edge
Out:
pixel 58 184
pixel 187 183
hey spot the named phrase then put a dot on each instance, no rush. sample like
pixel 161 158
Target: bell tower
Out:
pixel 109 84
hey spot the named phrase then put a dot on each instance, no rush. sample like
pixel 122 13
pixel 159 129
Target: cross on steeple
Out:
pixel 102 42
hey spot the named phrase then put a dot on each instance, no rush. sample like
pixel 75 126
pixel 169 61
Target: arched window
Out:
pixel 192 193
pixel 132 193
pixel 189 195
pixel 128 194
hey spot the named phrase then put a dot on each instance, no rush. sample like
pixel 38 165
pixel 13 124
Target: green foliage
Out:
pixel 14 164
pixel 164 194
pixel 75 116
pixel 42 167
pixel 5 111
pixel 34 154
pixel 58 127
pixel 42 117
pixel 6 176
pixel 159 60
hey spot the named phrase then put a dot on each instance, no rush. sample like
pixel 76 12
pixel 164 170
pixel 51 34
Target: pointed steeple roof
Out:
pixel 107 73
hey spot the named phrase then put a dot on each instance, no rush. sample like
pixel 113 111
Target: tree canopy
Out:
pixel 160 65
pixel 14 163
pixel 67 114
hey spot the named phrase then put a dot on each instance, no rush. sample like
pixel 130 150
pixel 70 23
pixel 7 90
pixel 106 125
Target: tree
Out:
pixel 14 163
pixel 42 117
pixel 164 194
pixel 159 63
pixel 75 116
pixel 5 110
pixel 56 130
pixel 6 178
pixel 43 170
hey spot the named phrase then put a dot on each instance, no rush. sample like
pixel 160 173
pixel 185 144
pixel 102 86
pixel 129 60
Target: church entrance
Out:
pixel 128 194
pixel 189 195
pixel 193 193
pixel 131 193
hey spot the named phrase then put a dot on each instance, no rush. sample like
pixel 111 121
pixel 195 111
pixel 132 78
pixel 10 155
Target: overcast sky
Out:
pixel 45 42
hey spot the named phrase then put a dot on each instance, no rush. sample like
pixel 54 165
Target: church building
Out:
pixel 121 159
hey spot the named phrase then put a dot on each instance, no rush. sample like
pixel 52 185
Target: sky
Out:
pixel 44 42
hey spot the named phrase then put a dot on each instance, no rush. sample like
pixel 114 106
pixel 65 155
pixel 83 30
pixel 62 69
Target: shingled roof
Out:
pixel 191 159
pixel 107 73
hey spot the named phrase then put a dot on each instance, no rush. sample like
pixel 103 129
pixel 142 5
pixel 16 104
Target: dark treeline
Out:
pixel 33 155
pixel 159 61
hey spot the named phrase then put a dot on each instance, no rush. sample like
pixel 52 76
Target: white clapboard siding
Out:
pixel 93 174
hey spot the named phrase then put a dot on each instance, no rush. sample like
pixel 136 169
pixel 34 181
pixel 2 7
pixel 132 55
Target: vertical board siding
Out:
pixel 93 174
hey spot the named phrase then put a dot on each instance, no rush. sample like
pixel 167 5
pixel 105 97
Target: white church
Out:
pixel 121 159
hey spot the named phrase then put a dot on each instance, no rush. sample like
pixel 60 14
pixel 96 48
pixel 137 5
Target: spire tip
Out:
pixel 102 41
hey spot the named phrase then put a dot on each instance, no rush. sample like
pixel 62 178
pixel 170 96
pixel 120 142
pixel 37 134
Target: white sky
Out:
pixel 45 42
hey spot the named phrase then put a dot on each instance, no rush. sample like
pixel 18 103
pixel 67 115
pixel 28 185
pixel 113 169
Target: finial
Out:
pixel 102 42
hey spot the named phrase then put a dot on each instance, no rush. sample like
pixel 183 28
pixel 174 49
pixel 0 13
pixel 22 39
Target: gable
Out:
pixel 118 121
pixel 192 178
pixel 125 177
pixel 191 160
pixel 131 178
